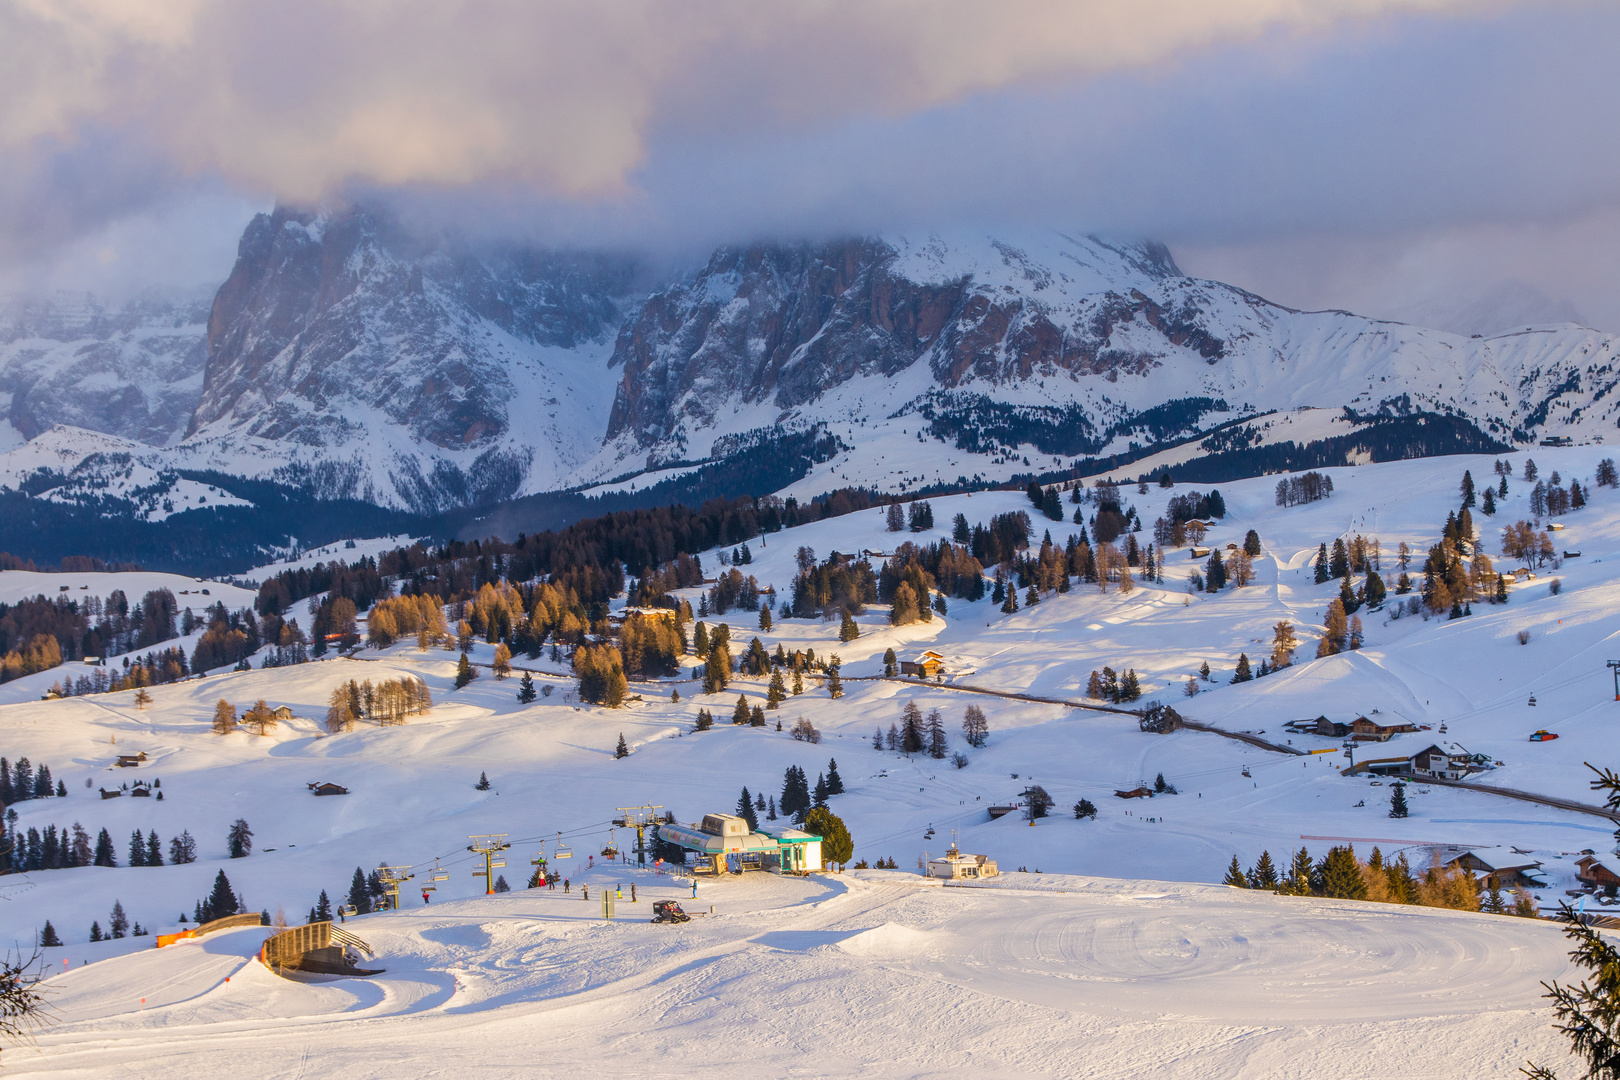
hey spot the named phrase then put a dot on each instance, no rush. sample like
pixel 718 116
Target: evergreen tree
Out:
pixel 137 849
pixel 1321 564
pixel 835 683
pixel 1243 673
pixel 48 938
pixel 1084 809
pixel 104 850
pixel 240 839
pixel 359 895
pixel 1204 672
pixel 1264 873
pixel 835 783
pixel 1215 573
pixel 1397 800
pixel 154 849
pixel 739 715
pixel 526 692
pixel 764 618
pixel 937 743
pixel 1488 504
pixel 1339 565
pixel 222 900
pixel 745 810
pixel 95 932
pixel 770 809
pixel 464 672
pixel 1010 605
pixel 975 727
pixel 1341 875
pixel 877 739
pixel 1130 689
pixel 777 692
pixel 1347 597
pixel 621 750
pixel 847 630
pixel 1374 590
pixel 118 922
pixel 836 846
pixel 890 662
pixel 717 669
pixel 1493 897
pixel 1300 874
pixel 323 909
pixel 1251 544
pixel 756 718
pixel 798 682
pixel 1467 488
pixel 818 794
pixel 1234 876
pixel 705 720
pixel 483 782
pixel 183 849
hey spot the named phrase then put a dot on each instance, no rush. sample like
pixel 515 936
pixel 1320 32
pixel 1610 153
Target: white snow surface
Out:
pixel 1107 957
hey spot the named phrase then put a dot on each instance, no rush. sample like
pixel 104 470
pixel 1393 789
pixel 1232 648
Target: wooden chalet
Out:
pixel 1517 876
pixel 1135 793
pixel 1450 762
pixel 113 794
pixel 283 712
pixel 927 665
pixel 1594 874
pixel 328 789
pixel 130 761
pixel 1198 553
pixel 140 791
pixel 1365 730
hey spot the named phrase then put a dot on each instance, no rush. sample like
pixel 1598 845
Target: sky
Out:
pixel 1402 158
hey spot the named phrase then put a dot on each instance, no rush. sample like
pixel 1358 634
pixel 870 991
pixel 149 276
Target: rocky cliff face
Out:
pixel 339 331
pixel 780 327
pixel 133 370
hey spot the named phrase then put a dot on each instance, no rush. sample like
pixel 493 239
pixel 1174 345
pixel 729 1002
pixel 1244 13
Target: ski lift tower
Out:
pixel 488 845
pixel 392 877
pixel 1614 666
pixel 639 818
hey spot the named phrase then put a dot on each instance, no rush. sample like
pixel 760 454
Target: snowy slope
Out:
pixel 845 978
pixel 1183 979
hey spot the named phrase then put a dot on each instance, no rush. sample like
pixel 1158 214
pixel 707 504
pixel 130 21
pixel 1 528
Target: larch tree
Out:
pixel 224 717
pixel 1283 644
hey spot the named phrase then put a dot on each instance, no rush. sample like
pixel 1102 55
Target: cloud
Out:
pixel 302 97
pixel 1333 138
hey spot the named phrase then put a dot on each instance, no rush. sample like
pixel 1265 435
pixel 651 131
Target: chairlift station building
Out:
pixel 723 843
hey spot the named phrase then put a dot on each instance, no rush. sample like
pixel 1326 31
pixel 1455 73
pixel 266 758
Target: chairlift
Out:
pixel 348 910
pixel 563 852
pixel 1532 699
pixel 438 873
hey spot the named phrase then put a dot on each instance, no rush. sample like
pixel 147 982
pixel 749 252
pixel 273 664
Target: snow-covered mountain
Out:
pixel 347 358
pixel 134 370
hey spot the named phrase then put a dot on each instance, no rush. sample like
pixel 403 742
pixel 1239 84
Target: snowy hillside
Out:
pixel 1089 939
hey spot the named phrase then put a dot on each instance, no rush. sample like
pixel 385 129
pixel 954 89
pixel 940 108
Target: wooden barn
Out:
pixel 1135 793
pixel 328 789
pixel 129 761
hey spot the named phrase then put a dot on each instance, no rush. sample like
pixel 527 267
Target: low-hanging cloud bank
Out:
pixel 1215 126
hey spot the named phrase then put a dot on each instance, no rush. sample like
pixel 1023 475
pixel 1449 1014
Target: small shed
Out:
pixel 957 865
pixel 1198 553
pixel 283 712
pixel 113 794
pixel 328 789
pixel 140 791
pixel 1135 793
pixel 130 761
pixel 1591 872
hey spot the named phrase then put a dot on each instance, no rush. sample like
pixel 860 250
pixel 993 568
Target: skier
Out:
pixel 565 886
pixel 425 899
